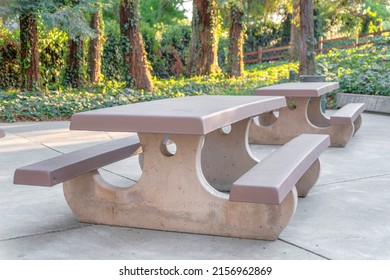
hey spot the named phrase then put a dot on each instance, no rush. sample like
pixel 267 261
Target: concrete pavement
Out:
pixel 346 215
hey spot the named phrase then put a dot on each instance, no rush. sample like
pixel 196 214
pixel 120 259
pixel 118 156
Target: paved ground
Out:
pixel 346 216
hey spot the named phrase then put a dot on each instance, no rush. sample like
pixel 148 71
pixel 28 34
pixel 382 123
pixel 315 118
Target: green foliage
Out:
pixel 223 51
pixel 173 50
pixel 364 70
pixel 9 59
pixel 70 16
pixel 267 34
pixel 62 104
pixel 52 57
pixel 352 17
pixel 221 85
pixel 163 49
pixel 112 62
pixel 166 12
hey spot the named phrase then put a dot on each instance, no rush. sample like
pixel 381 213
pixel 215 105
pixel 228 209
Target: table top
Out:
pixel 312 89
pixel 185 115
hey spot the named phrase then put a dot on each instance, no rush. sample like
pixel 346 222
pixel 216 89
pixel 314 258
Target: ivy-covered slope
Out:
pixel 364 70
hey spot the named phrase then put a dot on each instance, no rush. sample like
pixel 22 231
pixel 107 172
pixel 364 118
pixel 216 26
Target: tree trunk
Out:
pixel 95 50
pixel 294 32
pixel 134 54
pixel 75 60
pixel 29 55
pixel 236 40
pixel 204 40
pixel 307 41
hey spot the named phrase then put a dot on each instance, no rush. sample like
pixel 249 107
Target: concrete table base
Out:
pixel 173 194
pixel 234 158
pixel 301 116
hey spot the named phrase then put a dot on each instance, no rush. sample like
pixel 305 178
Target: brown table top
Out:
pixel 313 89
pixel 185 115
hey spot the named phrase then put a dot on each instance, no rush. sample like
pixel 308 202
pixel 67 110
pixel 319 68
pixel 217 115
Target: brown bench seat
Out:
pixel 348 114
pixel 61 168
pixel 273 178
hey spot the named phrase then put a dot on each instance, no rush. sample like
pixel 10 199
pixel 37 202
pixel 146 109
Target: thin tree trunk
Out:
pixel 307 41
pixel 75 61
pixel 134 54
pixel 236 40
pixel 29 55
pixel 294 32
pixel 95 50
pixel 204 41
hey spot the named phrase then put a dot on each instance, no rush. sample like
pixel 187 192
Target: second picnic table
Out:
pixel 303 115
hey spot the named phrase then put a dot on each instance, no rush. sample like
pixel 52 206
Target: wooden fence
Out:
pixel 284 52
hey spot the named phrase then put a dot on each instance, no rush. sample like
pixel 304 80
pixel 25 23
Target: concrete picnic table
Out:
pixel 303 114
pixel 208 183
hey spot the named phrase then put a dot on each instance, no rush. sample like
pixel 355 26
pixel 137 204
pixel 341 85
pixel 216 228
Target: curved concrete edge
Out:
pixel 374 103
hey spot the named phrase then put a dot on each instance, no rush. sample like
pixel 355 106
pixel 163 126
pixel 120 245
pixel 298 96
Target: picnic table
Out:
pixel 198 173
pixel 303 114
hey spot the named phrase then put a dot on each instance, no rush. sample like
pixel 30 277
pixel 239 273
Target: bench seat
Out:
pixel 68 166
pixel 347 114
pixel 269 181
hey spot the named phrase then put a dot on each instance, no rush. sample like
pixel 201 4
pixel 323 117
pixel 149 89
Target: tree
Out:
pixel 29 55
pixel 307 42
pixel 134 55
pixel 236 38
pixel 237 18
pixel 95 49
pixel 69 16
pixel 28 12
pixel 74 63
pixel 203 58
pixel 75 60
pixel 294 32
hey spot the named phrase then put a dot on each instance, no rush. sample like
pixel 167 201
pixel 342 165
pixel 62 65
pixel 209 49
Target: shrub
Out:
pixel 112 59
pixel 363 70
pixel 9 66
pixel 166 48
pixel 52 57
pixel 9 59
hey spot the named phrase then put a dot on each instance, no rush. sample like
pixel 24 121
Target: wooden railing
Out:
pixel 284 52
pixel 259 54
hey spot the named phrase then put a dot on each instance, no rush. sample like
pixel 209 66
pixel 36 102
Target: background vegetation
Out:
pixel 166 34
